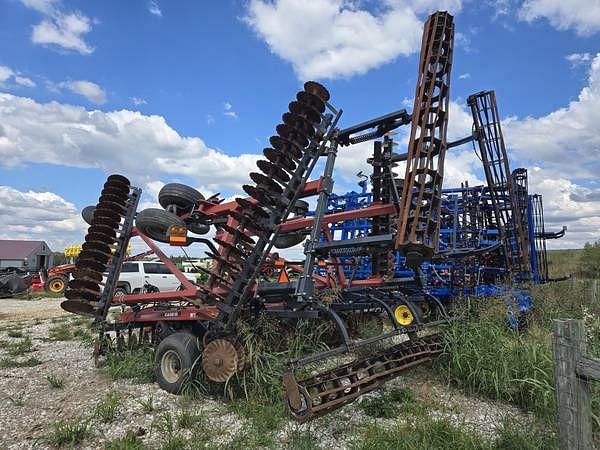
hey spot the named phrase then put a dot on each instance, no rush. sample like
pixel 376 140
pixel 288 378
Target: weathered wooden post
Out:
pixel 594 291
pixel 572 391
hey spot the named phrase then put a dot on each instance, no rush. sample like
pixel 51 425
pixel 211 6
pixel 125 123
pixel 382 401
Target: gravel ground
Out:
pixel 29 406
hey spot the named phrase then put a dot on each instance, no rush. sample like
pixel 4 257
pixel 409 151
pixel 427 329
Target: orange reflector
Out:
pixel 177 235
pixel 177 240
pixel 279 262
pixel 283 277
pixel 322 264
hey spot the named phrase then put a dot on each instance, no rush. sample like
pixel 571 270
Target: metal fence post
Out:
pixel 572 392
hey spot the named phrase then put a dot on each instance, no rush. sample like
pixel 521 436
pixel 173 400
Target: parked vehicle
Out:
pixel 136 275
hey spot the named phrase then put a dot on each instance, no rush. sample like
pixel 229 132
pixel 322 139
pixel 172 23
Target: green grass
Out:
pixel 131 364
pixel 428 433
pixel 147 404
pixel 60 332
pixel 485 358
pixel 15 334
pixel 187 419
pixel 423 434
pixel 69 433
pixel 18 399
pixel 21 347
pixel 55 382
pixel 12 363
pixel 107 409
pixel 128 442
pixel 302 440
pixel 391 404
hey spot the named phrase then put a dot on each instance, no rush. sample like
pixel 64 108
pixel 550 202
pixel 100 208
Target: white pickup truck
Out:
pixel 136 274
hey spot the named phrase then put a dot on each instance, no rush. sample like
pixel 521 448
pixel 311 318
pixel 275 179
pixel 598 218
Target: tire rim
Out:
pixel 403 315
pixel 170 366
pixel 57 286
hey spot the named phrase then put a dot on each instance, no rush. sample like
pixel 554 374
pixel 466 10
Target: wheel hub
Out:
pixel 170 366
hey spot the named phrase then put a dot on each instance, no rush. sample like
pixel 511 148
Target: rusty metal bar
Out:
pixel 418 225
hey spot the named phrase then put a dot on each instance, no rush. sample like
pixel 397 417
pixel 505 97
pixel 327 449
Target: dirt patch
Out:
pixel 43 308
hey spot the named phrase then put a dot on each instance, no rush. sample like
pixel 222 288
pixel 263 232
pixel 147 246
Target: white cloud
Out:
pixel 464 76
pixel 58 28
pixel 24 81
pixel 44 6
pixel 138 101
pixel 568 135
pixel 91 91
pixel 562 150
pixel 228 111
pixel 142 147
pixel 583 16
pixel 41 216
pixel 154 9
pixel 577 59
pixel 345 40
pixel 210 119
pixel 7 74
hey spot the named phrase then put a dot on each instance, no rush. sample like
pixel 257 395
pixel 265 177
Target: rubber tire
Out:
pixel 198 228
pixel 180 195
pixel 155 223
pixel 186 347
pixel 52 278
pixel 289 240
pixel 300 208
pixel 122 288
pixel 88 214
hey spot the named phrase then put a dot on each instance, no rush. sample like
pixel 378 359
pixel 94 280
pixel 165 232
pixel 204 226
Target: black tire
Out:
pixel 174 359
pixel 300 208
pixel 180 195
pixel 56 284
pixel 88 214
pixel 122 289
pixel 289 240
pixel 198 228
pixel 155 223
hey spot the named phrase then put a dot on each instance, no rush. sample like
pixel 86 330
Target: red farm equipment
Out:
pixel 201 321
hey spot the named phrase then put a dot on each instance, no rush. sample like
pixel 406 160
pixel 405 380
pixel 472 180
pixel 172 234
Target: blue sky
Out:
pixel 190 91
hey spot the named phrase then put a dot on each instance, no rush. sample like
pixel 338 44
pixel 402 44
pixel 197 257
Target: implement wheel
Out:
pixel 408 313
pixel 174 359
pixel 180 195
pixel 56 284
pixel 155 223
